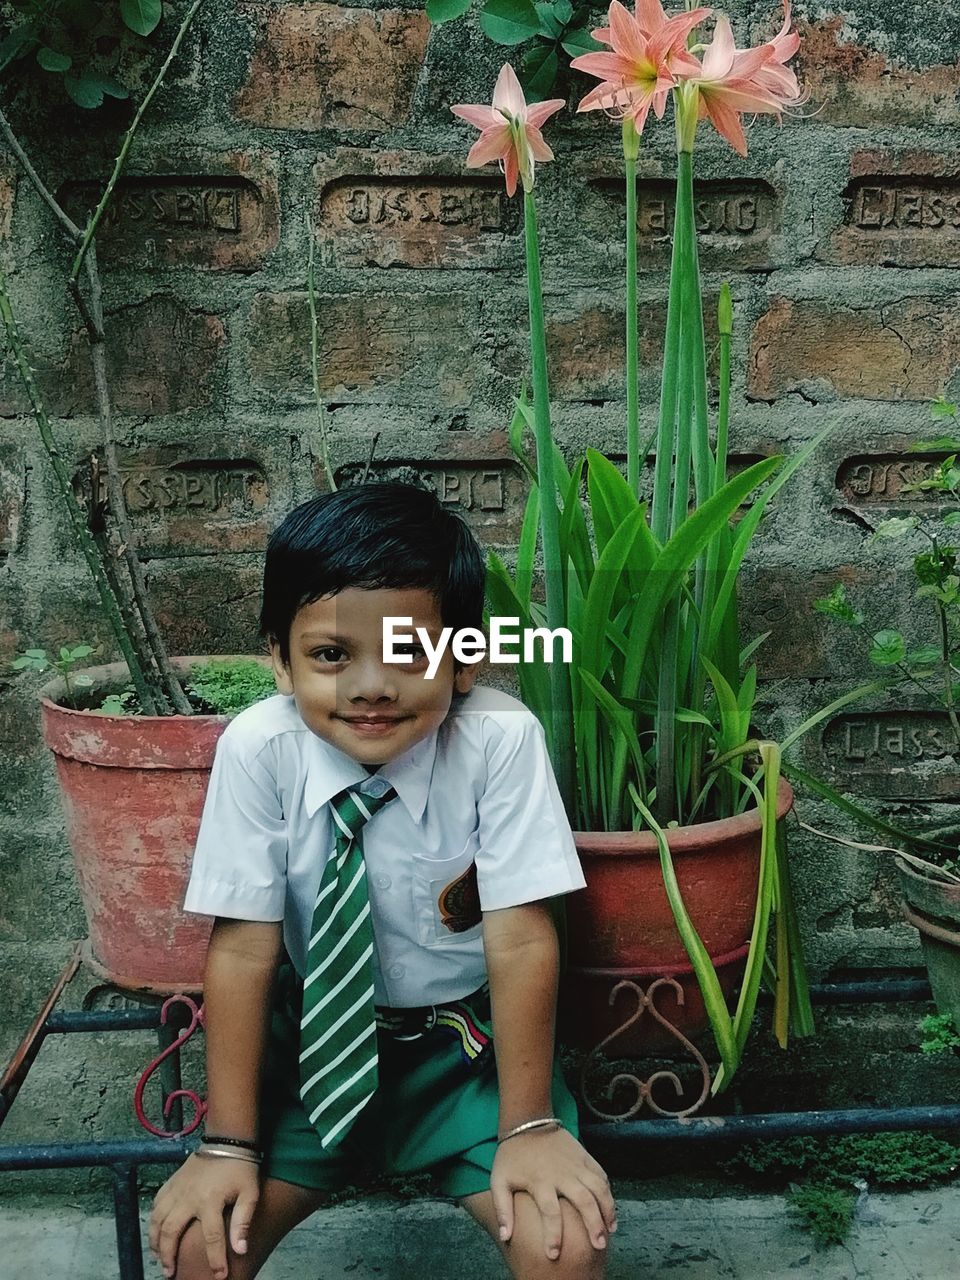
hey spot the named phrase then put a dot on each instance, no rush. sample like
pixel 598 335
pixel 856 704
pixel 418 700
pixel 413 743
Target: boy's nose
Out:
pixel 371 682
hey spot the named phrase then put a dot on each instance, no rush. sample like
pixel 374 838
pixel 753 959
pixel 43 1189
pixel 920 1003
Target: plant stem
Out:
pixel 108 598
pixel 315 361
pixel 69 226
pixel 166 685
pixel 630 149
pixel 660 509
pixel 561 702
pixel 91 228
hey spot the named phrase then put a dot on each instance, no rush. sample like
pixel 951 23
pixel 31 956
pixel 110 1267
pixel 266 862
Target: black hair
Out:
pixel 371 536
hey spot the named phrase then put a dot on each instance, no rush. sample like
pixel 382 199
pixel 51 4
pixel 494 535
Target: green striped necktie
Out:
pixel 338 1033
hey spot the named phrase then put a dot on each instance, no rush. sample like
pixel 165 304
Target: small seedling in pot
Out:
pixel 38 660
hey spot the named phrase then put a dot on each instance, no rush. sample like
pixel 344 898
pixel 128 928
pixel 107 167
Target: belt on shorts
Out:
pixel 458 1018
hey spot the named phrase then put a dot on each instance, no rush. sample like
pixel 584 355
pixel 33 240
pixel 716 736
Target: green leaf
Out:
pixel 897 527
pixel 578 42
pixel 943 444
pixel 564 11
pixel 820 788
pixel 18 42
pixel 550 26
pixel 51 60
pixel 85 91
pixel 837 606
pixel 35 653
pixel 888 648
pixel 141 16
pixel 951 519
pixel 941 408
pixel 446 10
pixel 113 705
pixel 509 22
pixel 924 656
pixel 539 70
pixel 81 651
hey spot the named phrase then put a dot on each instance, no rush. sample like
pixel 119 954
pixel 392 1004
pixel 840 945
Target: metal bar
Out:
pixel 903 990
pixel 777 1124
pixel 170 1079
pixel 28 1048
pixel 113 1020
pixel 74 1155
pixel 126 1215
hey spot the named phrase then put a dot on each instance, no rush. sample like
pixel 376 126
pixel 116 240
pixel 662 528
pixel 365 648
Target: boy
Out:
pixel 398 836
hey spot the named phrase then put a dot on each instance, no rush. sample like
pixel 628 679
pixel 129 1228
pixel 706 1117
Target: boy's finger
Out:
pixel 241 1218
pixel 586 1204
pixel 503 1207
pixel 215 1239
pixel 551 1221
pixel 168 1239
pixel 600 1188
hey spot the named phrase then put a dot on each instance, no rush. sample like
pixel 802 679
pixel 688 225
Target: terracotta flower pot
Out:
pixel 933 907
pixel 621 926
pixel 133 790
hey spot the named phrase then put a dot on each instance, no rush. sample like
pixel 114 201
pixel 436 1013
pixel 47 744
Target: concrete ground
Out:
pixel 913 1236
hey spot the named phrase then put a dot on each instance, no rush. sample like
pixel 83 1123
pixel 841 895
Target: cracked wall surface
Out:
pixel 839 235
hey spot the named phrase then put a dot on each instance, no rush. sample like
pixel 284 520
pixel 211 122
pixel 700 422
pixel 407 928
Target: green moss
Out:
pixel 829 1168
pixel 884 1159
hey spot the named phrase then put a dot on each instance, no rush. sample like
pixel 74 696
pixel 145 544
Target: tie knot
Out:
pixel 351 810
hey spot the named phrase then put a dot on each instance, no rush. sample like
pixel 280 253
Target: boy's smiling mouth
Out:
pixel 373 724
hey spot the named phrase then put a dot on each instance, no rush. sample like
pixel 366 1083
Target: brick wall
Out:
pixel 840 236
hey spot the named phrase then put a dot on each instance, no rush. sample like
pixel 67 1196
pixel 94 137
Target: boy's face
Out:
pixel 369 709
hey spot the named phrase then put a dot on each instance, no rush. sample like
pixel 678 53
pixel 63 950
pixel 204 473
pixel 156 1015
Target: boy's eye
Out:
pixel 330 654
pixel 414 651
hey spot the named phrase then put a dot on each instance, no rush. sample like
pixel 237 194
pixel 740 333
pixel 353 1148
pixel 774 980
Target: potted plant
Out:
pixel 679 806
pixel 133 741
pixel 926 674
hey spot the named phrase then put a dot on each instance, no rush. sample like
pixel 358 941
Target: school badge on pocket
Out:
pixel 459 902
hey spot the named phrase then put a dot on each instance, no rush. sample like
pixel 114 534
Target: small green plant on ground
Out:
pixel 826 1212
pixel 224 688
pixel 939 1034
pixel 831 1170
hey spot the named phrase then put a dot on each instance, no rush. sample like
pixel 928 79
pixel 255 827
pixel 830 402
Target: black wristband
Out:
pixel 230 1142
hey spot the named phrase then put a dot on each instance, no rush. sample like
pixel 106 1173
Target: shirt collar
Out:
pixel 330 771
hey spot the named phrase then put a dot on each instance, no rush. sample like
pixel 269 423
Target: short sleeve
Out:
pixel 240 861
pixel 527 851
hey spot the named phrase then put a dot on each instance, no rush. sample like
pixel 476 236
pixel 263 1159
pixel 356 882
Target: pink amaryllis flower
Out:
pixel 736 81
pixel 510 130
pixel 648 56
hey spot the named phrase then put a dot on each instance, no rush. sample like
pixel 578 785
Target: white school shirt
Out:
pixel 478 793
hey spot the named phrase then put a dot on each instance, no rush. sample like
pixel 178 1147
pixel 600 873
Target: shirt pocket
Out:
pixel 446 897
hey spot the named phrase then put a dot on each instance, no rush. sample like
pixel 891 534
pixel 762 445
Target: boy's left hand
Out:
pixel 550 1165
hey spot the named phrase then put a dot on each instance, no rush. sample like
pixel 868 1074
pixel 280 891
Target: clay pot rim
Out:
pixel 910 872
pixel 112 673
pixel 700 837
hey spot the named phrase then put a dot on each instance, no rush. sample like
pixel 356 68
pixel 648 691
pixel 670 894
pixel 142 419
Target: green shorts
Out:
pixel 435 1108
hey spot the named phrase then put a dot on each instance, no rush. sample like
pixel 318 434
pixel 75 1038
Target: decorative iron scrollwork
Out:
pixel 172 1049
pixel 646 1000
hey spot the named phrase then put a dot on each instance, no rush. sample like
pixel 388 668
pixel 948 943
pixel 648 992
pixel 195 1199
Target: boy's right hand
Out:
pixel 204 1188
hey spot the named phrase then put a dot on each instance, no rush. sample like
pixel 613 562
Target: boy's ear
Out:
pixel 281 670
pixel 464 677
